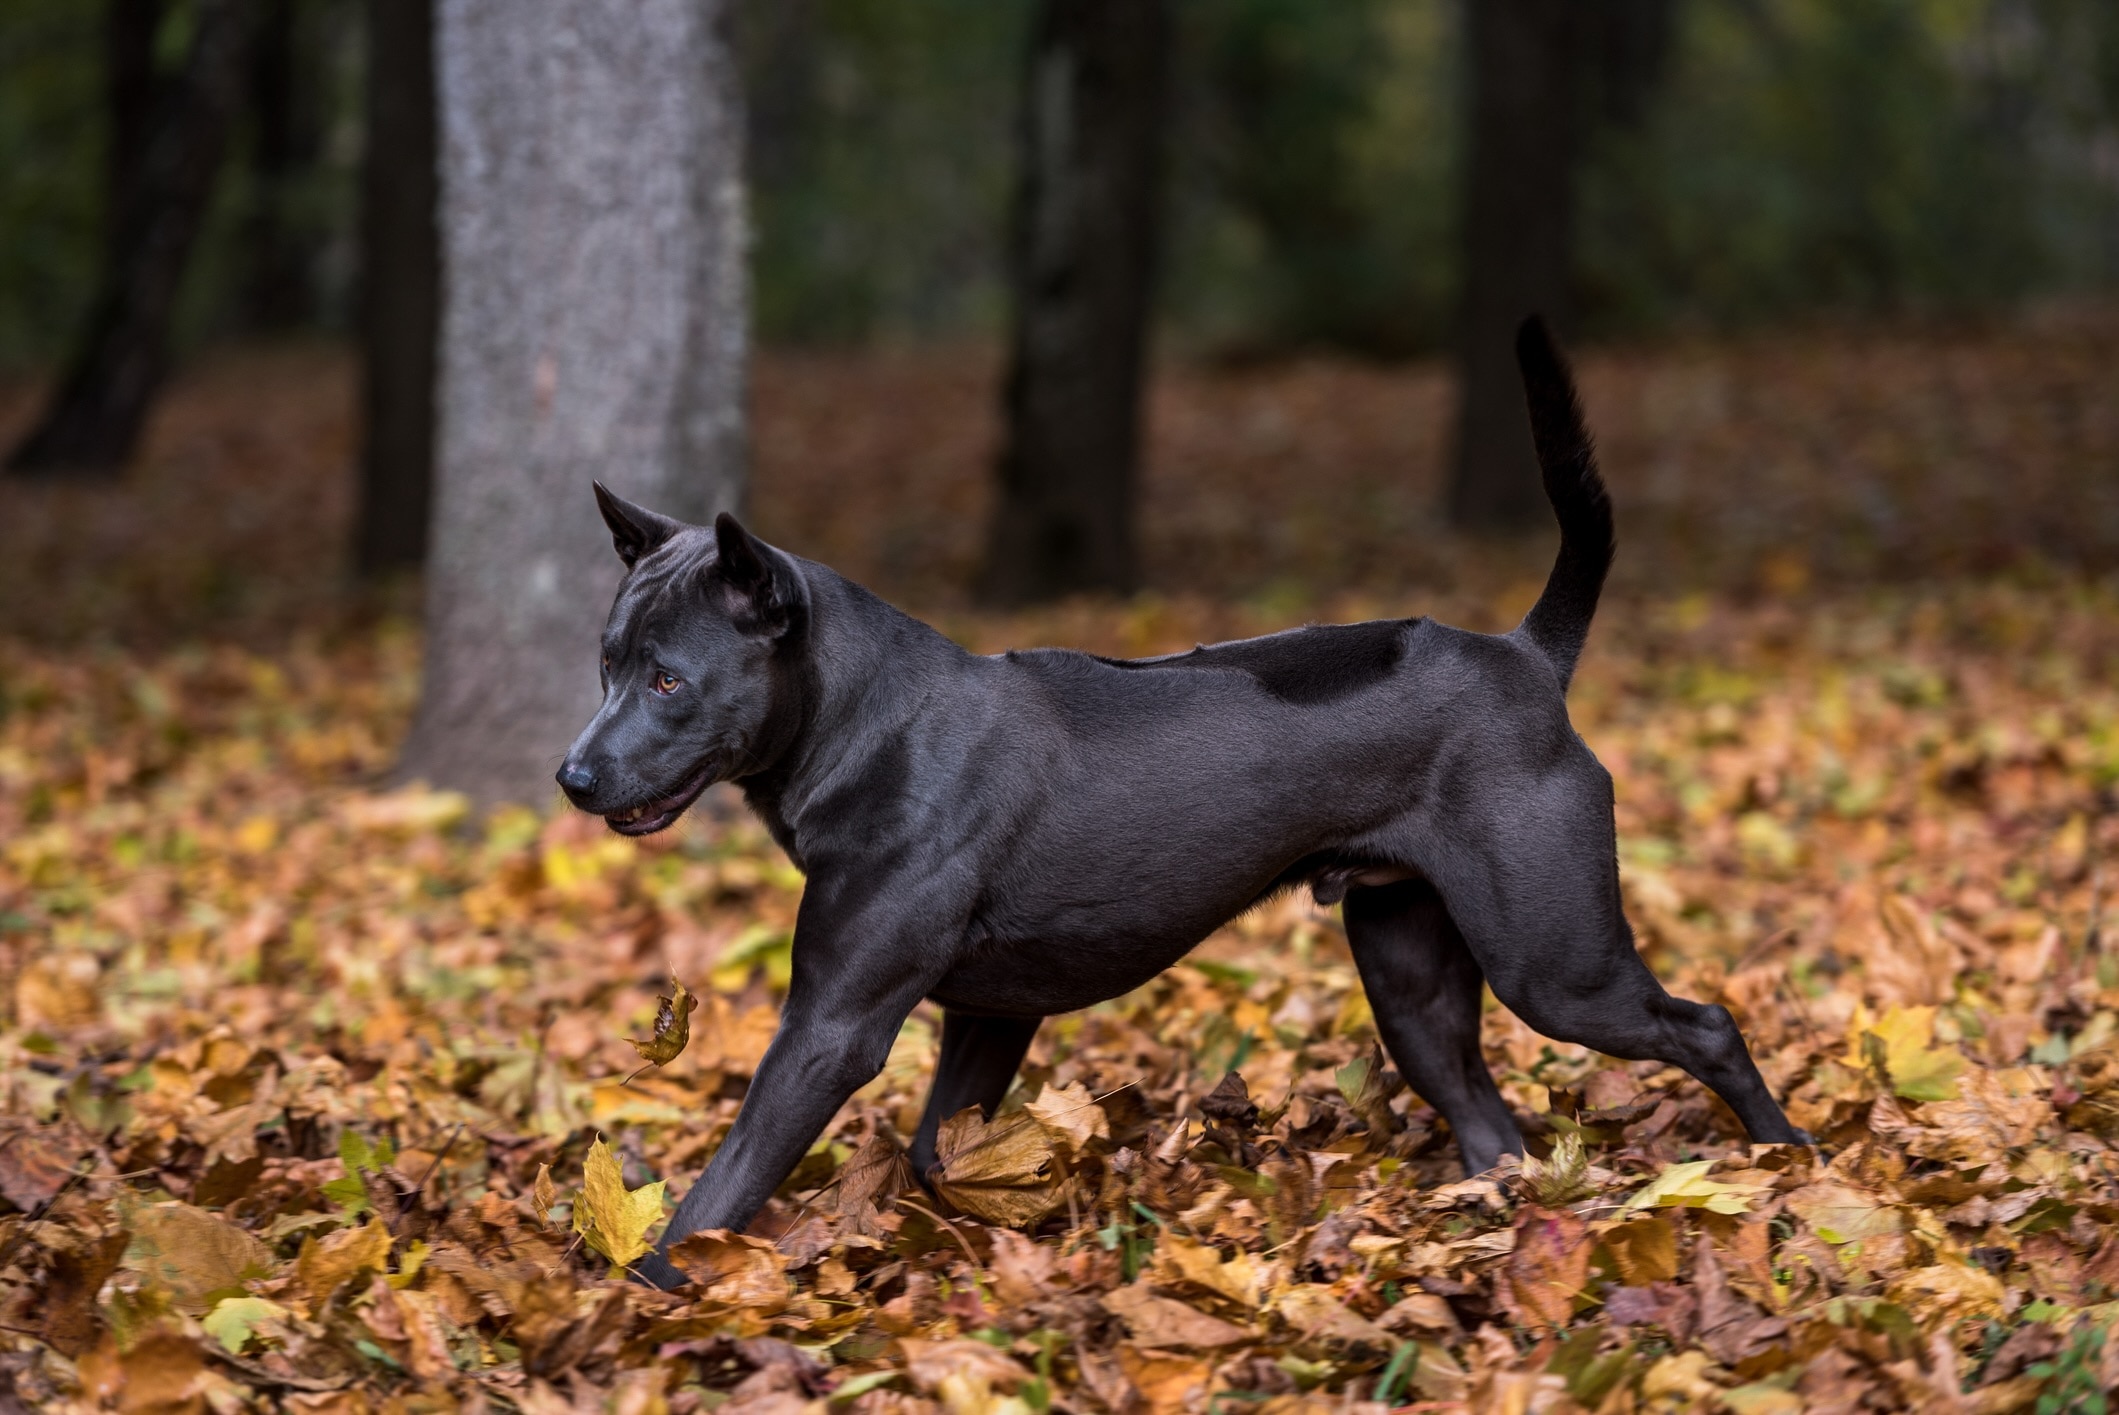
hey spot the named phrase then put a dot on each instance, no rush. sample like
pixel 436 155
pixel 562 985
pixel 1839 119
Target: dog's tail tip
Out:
pixel 1558 624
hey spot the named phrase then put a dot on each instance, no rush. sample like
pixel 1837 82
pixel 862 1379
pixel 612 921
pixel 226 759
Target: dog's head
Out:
pixel 688 666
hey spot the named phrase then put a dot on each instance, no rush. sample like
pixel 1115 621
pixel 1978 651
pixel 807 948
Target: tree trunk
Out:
pixel 95 417
pixel 1082 264
pixel 400 288
pixel 1517 240
pixel 130 93
pixel 286 91
pixel 594 326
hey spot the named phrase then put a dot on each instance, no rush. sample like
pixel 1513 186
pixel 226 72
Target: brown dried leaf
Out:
pixel 1548 1268
pixel 544 1194
pixel 1645 1249
pixel 1005 1172
pixel 35 1166
pixel 325 1265
pixel 673 1026
pixel 1166 1322
pixel 193 1254
pixel 735 1270
pixel 1071 1117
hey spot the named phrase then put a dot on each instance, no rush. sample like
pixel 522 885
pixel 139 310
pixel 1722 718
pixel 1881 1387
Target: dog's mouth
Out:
pixel 661 814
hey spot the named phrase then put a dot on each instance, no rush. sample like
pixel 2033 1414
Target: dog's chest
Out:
pixel 1040 979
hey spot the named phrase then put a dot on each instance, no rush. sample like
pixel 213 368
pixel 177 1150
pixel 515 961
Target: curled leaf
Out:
pixel 544 1194
pixel 673 1027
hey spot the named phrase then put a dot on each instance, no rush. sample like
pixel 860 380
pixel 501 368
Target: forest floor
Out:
pixel 304 1079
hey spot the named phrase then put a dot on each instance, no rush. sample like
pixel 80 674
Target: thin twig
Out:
pixel 2093 937
pixel 962 1242
pixel 1763 947
pixel 566 1255
pixel 421 1187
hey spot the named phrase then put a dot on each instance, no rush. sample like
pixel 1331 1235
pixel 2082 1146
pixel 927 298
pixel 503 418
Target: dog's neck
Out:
pixel 856 670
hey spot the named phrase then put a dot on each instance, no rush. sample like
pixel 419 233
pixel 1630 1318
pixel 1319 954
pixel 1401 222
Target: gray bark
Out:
pixel 594 326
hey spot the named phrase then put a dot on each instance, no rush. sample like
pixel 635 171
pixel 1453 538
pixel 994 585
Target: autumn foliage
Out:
pixel 316 1093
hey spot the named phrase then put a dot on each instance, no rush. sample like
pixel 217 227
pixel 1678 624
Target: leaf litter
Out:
pixel 316 1095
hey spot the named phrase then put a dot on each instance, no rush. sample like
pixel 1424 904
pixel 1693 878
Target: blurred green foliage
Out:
pixel 51 172
pixel 53 132
pixel 1862 155
pixel 1798 156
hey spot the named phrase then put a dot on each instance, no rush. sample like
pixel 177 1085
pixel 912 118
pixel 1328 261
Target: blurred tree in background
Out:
pixel 1804 156
pixel 1737 162
pixel 1083 233
pixel 169 128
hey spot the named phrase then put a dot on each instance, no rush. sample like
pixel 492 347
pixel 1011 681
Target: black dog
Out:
pixel 1035 832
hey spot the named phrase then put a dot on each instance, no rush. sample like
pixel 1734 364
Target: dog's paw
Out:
pixel 655 1270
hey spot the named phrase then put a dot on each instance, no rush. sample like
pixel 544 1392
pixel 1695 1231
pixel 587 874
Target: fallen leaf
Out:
pixel 1645 1249
pixel 327 1264
pixel 1840 1213
pixel 34 1167
pixel 67 1313
pixel 735 1270
pixel 1548 1268
pixel 163 1371
pixel 611 1218
pixel 1165 1380
pixel 1190 1268
pixel 1368 1083
pixel 193 1254
pixel 234 1320
pixel 544 1194
pixel 1003 1172
pixel 930 1364
pixel 1071 1116
pixel 1687 1186
pixel 1319 1317
pixel 1166 1322
pixel 1900 1044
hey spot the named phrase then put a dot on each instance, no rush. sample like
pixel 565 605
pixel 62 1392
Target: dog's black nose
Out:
pixel 576 779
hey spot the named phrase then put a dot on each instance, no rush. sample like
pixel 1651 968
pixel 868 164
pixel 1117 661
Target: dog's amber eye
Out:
pixel 665 683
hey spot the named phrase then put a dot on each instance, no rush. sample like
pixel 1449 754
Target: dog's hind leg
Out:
pixel 1556 947
pixel 1602 995
pixel 978 1061
pixel 1424 987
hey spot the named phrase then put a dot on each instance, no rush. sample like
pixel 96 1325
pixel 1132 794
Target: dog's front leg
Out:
pixel 852 988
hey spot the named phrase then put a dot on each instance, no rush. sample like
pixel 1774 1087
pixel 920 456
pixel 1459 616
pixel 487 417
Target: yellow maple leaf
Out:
pixel 1686 1186
pixel 609 1217
pixel 1900 1044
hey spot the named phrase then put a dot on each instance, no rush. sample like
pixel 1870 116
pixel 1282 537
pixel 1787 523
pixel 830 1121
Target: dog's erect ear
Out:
pixel 751 584
pixel 635 530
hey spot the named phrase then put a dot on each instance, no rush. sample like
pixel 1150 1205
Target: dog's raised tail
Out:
pixel 1559 622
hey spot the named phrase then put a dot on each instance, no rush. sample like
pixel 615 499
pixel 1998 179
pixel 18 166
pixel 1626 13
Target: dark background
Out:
pixel 1839 271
